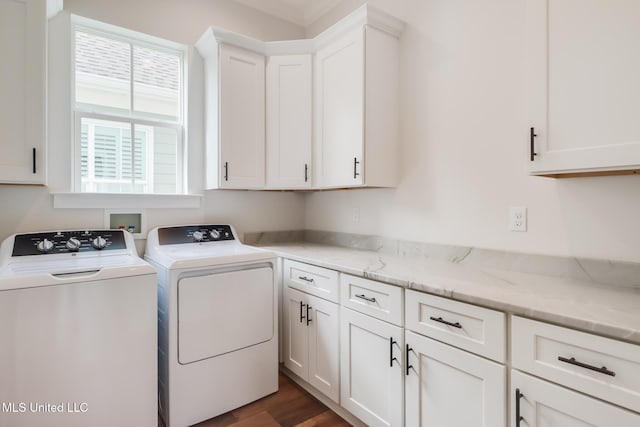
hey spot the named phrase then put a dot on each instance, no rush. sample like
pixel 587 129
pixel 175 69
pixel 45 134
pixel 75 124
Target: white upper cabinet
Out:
pixel 241 118
pixel 582 68
pixel 328 107
pixel 356 109
pixel 23 25
pixel 289 121
pixel 235 115
pixel 339 110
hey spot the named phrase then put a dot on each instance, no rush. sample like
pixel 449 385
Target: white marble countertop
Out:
pixel 608 310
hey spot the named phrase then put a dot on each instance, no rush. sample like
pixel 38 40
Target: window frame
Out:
pixel 133 39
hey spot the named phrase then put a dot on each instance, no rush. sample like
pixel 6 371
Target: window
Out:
pixel 128 112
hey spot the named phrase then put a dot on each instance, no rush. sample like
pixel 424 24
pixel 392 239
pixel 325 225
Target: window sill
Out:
pixel 125 200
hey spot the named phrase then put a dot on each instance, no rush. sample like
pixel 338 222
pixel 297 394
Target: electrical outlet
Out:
pixel 517 218
pixel 355 214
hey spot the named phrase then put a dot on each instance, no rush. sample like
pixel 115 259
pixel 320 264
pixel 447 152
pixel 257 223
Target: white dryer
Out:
pixel 217 321
pixel 78 331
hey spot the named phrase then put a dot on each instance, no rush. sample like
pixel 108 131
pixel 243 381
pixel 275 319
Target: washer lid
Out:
pixel 194 255
pixel 23 265
pixel 22 275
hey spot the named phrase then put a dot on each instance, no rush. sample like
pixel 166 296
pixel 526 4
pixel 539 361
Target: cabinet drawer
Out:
pixel 317 281
pixel 546 404
pixel 476 329
pixel 594 365
pixel 376 299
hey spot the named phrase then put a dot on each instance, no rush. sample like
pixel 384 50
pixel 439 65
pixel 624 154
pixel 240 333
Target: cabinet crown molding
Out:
pixel 365 15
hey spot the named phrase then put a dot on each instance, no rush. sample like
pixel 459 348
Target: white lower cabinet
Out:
pixel 437 362
pixel 371 365
pixel 449 387
pixel 564 359
pixel 311 340
pixel 539 403
pixel 601 367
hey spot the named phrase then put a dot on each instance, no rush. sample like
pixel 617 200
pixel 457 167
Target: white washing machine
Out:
pixel 78 331
pixel 217 321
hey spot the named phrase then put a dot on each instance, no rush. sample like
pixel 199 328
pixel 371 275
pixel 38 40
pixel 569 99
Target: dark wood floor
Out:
pixel 290 406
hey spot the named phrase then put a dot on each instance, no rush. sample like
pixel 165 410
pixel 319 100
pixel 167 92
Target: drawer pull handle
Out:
pixel 309 319
pixel 441 320
pixel 406 359
pixel 518 416
pixel 306 279
pixel 366 298
pixel 391 358
pixel 573 361
pixel 301 315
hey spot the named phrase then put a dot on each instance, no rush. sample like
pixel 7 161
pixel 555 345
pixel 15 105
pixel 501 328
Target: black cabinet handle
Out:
pixel 226 171
pixel 518 416
pixel 441 320
pixel 306 172
pixel 406 359
pixel 573 361
pixel 309 319
pixel 532 150
pixel 355 167
pixel 34 159
pixel 306 279
pixel 366 298
pixel 391 358
pixel 301 315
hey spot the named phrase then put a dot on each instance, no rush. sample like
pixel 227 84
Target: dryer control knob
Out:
pixel 73 244
pixel 99 243
pixel 198 236
pixel 45 246
pixel 215 234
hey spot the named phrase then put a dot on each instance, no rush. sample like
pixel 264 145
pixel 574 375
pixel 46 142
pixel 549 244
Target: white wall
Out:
pixel 184 21
pixel 464 147
pixel 30 208
pixel 463 142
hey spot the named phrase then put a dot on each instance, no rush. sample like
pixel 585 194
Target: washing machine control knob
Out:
pixel 73 244
pixel 198 236
pixel 215 234
pixel 45 246
pixel 99 243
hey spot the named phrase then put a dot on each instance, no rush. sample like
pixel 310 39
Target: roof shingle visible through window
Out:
pixel 109 58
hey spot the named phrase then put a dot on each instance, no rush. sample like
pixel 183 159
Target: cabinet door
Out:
pixel 371 369
pixel 448 387
pixel 296 337
pixel 339 112
pixel 241 118
pixel 323 347
pixel 544 404
pixel 22 91
pixel 582 68
pixel 289 121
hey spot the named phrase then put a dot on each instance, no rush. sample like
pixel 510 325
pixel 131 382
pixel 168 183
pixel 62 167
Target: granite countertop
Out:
pixel 609 310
